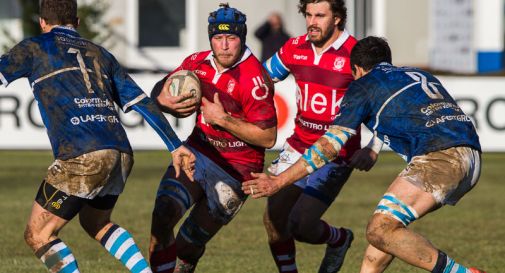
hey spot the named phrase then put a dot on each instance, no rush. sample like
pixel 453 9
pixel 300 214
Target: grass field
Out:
pixel 473 232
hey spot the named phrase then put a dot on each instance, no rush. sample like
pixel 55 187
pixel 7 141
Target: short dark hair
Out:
pixel 369 52
pixel 59 12
pixel 337 7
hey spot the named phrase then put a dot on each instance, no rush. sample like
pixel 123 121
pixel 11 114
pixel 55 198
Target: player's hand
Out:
pixel 183 158
pixel 180 106
pixel 263 185
pixel 213 112
pixel 363 159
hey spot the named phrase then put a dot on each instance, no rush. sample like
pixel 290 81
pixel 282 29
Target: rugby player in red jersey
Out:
pixel 319 62
pixel 235 123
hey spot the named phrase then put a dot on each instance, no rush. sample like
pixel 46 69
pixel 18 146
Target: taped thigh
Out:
pixel 394 207
pixel 193 233
pixel 177 191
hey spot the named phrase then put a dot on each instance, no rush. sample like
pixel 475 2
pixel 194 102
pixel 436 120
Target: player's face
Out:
pixel 226 49
pixel 320 21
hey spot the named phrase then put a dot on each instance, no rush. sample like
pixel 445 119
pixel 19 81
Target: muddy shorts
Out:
pixel 447 174
pixel 324 184
pixel 98 173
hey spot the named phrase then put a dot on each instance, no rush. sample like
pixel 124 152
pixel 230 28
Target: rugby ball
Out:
pixel 183 82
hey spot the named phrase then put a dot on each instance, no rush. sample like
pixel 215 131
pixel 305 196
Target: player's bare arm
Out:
pixel 214 113
pixel 324 150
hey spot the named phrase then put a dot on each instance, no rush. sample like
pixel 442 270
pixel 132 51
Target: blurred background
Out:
pixel 460 40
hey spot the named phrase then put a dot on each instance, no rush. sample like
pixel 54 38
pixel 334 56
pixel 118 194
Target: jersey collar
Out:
pixel 66 29
pixel 246 55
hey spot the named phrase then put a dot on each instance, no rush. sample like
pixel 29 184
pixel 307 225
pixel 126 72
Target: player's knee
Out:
pixel 379 229
pixel 172 201
pixel 167 212
pixel 34 238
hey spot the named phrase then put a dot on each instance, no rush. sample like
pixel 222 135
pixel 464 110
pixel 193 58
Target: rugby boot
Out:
pixel 334 256
pixel 475 270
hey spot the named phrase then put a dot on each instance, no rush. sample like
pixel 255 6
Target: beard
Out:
pixel 226 60
pixel 323 36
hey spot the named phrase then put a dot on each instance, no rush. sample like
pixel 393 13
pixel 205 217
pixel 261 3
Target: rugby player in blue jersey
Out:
pixel 77 84
pixel 409 110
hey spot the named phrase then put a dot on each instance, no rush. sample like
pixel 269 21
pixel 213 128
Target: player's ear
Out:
pixel 78 22
pixel 43 24
pixel 337 20
pixel 358 72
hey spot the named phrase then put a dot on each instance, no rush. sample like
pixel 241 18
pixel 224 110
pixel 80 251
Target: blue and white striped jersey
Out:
pixel 76 84
pixel 408 109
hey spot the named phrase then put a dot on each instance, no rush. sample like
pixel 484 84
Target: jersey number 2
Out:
pixel 428 87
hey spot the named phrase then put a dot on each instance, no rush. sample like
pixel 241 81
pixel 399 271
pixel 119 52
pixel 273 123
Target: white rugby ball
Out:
pixel 183 82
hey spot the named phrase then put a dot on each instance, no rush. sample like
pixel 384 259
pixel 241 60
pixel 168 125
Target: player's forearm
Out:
pixel 248 132
pixel 294 173
pixel 158 122
pixel 325 149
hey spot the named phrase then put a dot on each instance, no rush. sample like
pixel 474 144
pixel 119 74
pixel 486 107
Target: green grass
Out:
pixel 473 232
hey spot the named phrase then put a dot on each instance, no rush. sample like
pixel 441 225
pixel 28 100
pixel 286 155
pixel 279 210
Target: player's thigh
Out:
pixel 412 196
pixel 279 205
pixel 95 215
pixel 174 197
pixel 326 183
pixel 307 212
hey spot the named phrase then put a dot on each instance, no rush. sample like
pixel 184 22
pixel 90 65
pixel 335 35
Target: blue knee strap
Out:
pixel 406 216
pixel 173 188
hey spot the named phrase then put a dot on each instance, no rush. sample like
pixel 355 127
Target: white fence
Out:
pixel 482 98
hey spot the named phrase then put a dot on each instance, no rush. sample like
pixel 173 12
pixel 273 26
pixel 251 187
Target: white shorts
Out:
pixel 324 184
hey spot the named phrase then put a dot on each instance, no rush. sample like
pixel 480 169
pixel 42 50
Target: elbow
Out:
pixel 270 141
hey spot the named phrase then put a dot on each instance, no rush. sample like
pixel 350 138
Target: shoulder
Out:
pixel 197 57
pixel 294 42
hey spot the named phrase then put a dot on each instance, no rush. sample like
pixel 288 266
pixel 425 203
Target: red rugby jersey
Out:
pixel 246 92
pixel 322 81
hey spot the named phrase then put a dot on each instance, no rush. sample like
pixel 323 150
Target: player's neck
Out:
pixel 322 47
pixel 48 28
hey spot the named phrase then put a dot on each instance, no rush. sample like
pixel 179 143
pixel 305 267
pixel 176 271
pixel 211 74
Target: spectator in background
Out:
pixel 272 35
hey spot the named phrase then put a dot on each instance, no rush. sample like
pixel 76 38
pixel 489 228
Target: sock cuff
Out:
pixel 286 246
pixel 107 235
pixel 41 251
pixel 441 263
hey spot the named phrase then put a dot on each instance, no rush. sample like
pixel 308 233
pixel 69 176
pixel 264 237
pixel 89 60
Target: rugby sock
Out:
pixel 331 235
pixel 120 244
pixel 284 254
pixel 446 264
pixel 57 257
pixel 163 261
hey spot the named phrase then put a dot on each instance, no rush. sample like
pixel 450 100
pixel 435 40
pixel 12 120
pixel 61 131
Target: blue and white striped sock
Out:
pixel 57 257
pixel 446 264
pixel 120 244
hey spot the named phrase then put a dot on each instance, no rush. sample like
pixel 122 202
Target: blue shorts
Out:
pixel 324 184
pixel 224 193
